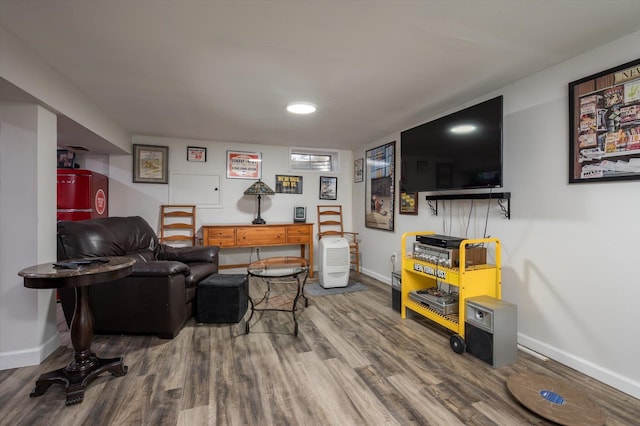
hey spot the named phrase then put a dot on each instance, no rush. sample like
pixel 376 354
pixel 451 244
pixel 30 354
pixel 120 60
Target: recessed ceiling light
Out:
pixel 301 108
pixel 463 128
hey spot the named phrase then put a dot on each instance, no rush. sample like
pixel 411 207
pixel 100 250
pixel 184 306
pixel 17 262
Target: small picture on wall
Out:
pixel 288 184
pixel 196 153
pixel 150 164
pixel 358 170
pixel 408 203
pixel 328 188
pixel 244 165
pixel 66 159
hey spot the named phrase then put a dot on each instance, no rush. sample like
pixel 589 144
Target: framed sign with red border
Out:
pixel 244 165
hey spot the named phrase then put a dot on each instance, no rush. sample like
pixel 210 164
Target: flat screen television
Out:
pixel 462 150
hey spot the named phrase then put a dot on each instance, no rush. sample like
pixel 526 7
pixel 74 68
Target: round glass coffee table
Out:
pixel 279 273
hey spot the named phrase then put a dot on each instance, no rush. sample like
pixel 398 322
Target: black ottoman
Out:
pixel 222 298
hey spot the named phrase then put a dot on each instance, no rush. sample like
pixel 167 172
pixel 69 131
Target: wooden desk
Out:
pixel 272 234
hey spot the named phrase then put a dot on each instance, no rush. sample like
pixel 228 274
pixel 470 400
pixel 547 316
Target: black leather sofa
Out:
pixel 159 295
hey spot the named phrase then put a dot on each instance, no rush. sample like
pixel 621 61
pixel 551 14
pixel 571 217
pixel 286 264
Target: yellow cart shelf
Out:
pixel 474 280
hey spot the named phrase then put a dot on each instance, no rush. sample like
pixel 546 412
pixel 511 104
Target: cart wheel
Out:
pixel 457 343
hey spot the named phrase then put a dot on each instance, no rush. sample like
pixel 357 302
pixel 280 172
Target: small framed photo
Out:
pixel 328 188
pixel 150 164
pixel 244 165
pixel 358 170
pixel 408 203
pixel 66 159
pixel 286 184
pixel 196 153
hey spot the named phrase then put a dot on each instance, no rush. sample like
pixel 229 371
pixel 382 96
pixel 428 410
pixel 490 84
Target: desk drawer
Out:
pixel 223 237
pixel 299 234
pixel 260 236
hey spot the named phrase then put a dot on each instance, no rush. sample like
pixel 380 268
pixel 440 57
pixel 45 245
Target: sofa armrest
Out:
pixel 159 268
pixel 200 271
pixel 188 254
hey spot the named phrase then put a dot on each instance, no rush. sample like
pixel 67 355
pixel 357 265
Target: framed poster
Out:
pixel 358 170
pixel 288 184
pixel 244 165
pixel 408 203
pixel 150 164
pixel 196 153
pixel 328 188
pixel 379 191
pixel 604 130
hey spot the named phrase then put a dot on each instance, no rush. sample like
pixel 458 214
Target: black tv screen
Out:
pixel 459 151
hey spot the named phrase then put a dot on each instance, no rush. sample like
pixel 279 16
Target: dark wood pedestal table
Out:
pixel 278 271
pixel 79 274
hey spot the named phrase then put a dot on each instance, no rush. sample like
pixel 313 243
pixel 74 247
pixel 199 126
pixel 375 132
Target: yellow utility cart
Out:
pixel 472 278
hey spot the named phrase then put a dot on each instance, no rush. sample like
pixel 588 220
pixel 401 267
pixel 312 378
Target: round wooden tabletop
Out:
pixel 76 272
pixel 555 400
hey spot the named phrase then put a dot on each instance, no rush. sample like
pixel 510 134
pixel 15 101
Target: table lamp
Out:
pixel 259 188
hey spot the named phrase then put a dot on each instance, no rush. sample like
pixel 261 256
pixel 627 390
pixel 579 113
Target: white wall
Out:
pixel 144 199
pixel 28 141
pixel 28 331
pixel 569 251
pixel 21 67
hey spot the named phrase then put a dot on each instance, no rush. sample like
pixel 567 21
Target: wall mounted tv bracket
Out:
pixel 500 197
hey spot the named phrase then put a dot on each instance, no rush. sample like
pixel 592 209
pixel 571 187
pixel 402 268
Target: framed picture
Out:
pixel 328 188
pixel 604 132
pixel 288 184
pixel 66 159
pixel 408 203
pixel 379 190
pixel 244 165
pixel 358 170
pixel 150 164
pixel 196 153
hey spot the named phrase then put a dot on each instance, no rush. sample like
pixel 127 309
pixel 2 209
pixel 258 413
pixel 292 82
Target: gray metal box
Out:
pixel 491 327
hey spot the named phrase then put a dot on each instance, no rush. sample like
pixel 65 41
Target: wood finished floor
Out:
pixel 355 362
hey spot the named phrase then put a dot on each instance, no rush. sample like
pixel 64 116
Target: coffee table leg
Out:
pixel 86 365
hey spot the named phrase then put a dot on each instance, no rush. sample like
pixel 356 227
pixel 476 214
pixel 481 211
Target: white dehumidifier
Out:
pixel 335 262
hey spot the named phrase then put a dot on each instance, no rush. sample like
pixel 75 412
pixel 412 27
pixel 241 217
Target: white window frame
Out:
pixel 335 159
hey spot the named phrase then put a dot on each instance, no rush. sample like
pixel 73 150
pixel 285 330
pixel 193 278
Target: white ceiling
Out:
pixel 224 70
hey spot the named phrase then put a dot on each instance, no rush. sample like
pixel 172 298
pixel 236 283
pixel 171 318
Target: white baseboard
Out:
pixel 31 356
pixel 611 378
pixel 377 276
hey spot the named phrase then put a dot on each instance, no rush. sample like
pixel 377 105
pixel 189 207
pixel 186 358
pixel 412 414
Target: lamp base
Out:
pixel 259 221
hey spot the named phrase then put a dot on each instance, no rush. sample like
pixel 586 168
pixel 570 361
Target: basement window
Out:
pixel 313 160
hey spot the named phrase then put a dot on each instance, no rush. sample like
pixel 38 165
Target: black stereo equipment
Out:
pixel 444 241
pixel 491 330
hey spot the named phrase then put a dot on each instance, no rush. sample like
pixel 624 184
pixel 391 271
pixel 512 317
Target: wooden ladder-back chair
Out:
pixel 178 224
pixel 330 224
